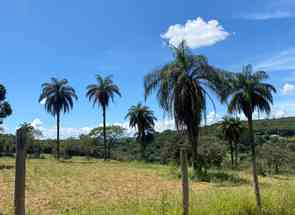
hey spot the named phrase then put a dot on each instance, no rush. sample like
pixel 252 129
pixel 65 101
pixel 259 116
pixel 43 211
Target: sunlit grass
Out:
pixel 86 187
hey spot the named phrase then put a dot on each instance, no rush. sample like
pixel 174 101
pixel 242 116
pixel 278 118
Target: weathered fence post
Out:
pixel 20 171
pixel 184 177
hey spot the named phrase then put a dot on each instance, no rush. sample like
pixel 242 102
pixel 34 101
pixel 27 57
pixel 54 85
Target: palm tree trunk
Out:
pixel 194 137
pixel 57 135
pixel 109 150
pixel 185 182
pixel 104 133
pixel 142 146
pixel 236 154
pixel 254 167
pixel 231 153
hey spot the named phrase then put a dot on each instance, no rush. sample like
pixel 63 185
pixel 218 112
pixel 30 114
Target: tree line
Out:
pixel 182 87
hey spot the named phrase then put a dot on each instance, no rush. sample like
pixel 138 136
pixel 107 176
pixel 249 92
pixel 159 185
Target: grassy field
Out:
pixel 82 187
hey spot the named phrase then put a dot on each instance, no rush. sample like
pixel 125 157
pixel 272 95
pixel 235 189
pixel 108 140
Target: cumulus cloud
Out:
pixel 288 89
pixel 37 123
pixel 197 33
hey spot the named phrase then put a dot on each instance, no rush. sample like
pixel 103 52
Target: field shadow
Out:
pixel 77 162
pixel 6 167
pixel 223 179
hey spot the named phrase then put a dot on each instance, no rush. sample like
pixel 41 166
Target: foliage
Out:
pixel 143 119
pixel 113 134
pixel 5 108
pixel 58 96
pixel 275 156
pixel 231 130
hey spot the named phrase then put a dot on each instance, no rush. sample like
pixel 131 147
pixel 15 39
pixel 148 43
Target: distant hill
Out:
pixel 281 123
pixel 286 123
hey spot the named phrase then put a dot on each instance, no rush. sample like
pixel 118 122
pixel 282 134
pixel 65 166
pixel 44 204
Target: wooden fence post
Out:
pixel 20 171
pixel 184 177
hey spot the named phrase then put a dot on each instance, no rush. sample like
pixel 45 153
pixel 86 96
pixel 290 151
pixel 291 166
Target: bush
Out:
pixel 275 157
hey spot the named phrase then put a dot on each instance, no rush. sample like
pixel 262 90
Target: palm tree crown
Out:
pixel 248 93
pixel 143 119
pixel 103 91
pixel 182 89
pixel 58 96
pixel 231 128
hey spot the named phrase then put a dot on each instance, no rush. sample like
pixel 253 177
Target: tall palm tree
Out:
pixel 101 93
pixel 143 119
pixel 59 98
pixel 182 89
pixel 248 93
pixel 232 129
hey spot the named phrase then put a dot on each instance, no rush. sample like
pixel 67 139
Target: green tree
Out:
pixel 232 128
pixel 143 119
pixel 5 108
pixel 5 111
pixel 59 98
pixel 248 93
pixel 182 89
pixel 101 93
pixel 113 134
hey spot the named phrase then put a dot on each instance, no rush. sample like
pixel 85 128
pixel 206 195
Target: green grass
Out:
pixel 91 187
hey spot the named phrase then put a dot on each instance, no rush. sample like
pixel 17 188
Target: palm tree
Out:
pixel 101 93
pixel 232 129
pixel 248 93
pixel 182 89
pixel 143 119
pixel 58 97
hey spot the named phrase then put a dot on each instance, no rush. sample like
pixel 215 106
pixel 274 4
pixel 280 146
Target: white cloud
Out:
pixel 160 126
pixel 280 14
pixel 165 125
pixel 283 60
pixel 288 89
pixel 197 33
pixel 64 132
pixel 279 113
pixel 37 123
pixel 212 117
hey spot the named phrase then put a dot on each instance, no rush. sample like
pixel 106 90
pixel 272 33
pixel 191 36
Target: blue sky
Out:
pixel 78 39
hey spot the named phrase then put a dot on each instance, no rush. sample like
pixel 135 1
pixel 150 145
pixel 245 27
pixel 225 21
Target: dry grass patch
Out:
pixel 92 187
pixel 56 186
